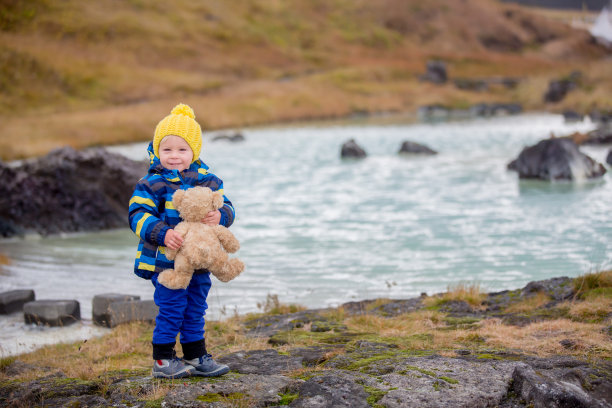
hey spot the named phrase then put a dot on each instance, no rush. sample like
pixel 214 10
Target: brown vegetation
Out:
pixel 90 73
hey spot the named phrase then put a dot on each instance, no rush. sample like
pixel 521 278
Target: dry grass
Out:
pixel 466 292
pixel 595 308
pixel 529 304
pixel 543 338
pixel 590 281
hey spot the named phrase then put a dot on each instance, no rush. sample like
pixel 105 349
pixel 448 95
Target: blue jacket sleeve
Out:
pixel 144 216
pixel 228 213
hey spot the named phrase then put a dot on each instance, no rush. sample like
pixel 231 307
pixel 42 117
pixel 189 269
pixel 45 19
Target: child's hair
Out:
pixel 180 122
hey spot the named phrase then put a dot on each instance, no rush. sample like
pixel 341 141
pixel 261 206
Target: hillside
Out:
pixel 91 73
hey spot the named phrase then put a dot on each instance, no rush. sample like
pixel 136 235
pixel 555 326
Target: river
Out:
pixel 320 231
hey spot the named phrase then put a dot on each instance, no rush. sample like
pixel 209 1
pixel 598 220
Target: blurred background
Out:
pixel 95 73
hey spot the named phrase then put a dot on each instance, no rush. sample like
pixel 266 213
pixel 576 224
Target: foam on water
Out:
pixel 320 231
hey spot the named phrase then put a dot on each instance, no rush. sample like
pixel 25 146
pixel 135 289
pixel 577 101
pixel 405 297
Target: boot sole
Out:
pixel 215 373
pixel 182 374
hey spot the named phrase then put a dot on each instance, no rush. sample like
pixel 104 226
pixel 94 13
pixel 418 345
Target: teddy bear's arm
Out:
pixel 227 239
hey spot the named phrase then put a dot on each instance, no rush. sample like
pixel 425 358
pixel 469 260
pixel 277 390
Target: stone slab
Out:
pixel 100 306
pixel 13 300
pixel 131 311
pixel 52 312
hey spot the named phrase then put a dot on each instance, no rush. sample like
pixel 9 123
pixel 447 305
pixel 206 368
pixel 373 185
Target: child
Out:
pixel 174 155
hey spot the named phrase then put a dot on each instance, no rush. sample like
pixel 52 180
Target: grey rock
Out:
pixel 609 157
pixel 312 355
pixel 559 289
pixel 555 159
pixel 101 313
pixel 268 326
pixel 251 390
pixel 331 389
pixel 447 382
pixel 351 149
pixel 541 391
pixel 13 300
pixel 264 362
pixel 52 312
pixel 131 311
pixel 409 147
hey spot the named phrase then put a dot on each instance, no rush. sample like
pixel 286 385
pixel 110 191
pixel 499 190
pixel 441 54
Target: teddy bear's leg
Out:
pixel 179 277
pixel 227 239
pixel 230 270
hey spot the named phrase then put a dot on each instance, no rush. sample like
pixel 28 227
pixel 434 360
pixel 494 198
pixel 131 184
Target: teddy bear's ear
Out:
pixel 217 199
pixel 177 198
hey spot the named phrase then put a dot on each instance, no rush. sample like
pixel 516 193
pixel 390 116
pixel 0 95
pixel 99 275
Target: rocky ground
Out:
pixel 348 368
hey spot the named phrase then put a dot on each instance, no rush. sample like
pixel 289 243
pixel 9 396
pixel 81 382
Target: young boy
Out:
pixel 174 155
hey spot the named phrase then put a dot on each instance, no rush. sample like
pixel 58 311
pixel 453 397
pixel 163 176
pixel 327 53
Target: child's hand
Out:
pixel 212 218
pixel 173 239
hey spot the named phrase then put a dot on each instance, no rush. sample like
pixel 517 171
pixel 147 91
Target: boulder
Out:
pixel 558 89
pixel 100 306
pixel 436 72
pixel 609 157
pixel 572 116
pixel 131 311
pixel 236 137
pixel 13 300
pixel 52 312
pixel 351 149
pixel 539 390
pixel 409 147
pixel 556 159
pixel 67 190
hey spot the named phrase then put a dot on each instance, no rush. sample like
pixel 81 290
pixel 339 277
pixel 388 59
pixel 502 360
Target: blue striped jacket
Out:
pixel 151 213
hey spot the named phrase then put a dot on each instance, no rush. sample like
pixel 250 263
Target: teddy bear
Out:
pixel 204 246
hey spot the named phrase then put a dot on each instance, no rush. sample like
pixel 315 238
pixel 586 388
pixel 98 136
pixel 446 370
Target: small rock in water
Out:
pixel 351 149
pixel 415 148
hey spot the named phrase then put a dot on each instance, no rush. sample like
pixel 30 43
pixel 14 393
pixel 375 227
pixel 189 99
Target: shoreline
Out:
pixel 537 345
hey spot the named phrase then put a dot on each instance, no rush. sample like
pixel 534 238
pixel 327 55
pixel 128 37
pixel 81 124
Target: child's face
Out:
pixel 175 153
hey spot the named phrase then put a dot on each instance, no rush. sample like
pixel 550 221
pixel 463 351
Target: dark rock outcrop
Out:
pixel 558 89
pixel 409 147
pixel 436 72
pixel 599 136
pixel 572 116
pixel 351 150
pixel 555 159
pixel 67 191
pixel 609 158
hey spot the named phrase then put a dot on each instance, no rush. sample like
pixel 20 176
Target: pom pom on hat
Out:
pixel 181 122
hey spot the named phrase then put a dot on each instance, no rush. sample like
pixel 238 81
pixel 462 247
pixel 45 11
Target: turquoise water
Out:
pixel 319 231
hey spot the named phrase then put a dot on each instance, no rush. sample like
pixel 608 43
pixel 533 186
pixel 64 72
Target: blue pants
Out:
pixel 181 310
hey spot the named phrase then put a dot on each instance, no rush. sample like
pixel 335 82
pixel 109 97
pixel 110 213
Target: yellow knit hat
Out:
pixel 180 122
